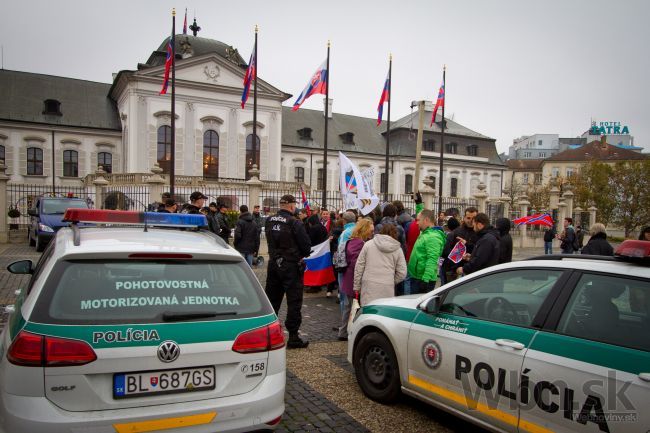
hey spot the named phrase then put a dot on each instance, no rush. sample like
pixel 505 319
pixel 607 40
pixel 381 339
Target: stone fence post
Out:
pixel 428 194
pixel 592 215
pixel 254 188
pixel 99 183
pixel 156 183
pixel 481 196
pixel 4 235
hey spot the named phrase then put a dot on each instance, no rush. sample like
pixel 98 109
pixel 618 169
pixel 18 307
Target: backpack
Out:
pixel 339 259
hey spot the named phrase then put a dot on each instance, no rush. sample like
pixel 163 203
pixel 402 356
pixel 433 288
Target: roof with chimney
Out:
pixel 525 164
pixel 597 150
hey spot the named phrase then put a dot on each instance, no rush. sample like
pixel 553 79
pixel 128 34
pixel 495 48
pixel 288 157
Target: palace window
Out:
pixel 472 150
pixel 35 161
pixel 305 133
pixel 347 138
pixel 164 154
pixel 299 174
pixel 252 155
pixel 105 161
pixel 382 181
pixel 320 179
pixel 452 148
pixel 408 184
pixel 453 190
pixel 70 163
pixel 429 145
pixel 52 107
pixel 210 154
pixel 2 154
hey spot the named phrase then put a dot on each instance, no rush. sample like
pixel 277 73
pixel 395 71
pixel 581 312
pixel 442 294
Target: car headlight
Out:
pixel 44 228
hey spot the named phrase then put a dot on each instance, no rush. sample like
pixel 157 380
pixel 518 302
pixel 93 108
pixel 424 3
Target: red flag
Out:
pixel 168 65
pixel 540 219
pixel 439 103
pixel 457 253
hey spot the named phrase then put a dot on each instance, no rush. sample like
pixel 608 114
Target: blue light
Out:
pixel 175 219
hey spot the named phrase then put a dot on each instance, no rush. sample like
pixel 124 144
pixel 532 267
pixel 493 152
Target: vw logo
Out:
pixel 168 351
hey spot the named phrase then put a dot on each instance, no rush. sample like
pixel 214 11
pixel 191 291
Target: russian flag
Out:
pixel 168 65
pixel 317 84
pixel 382 99
pixel 319 269
pixel 439 103
pixel 251 73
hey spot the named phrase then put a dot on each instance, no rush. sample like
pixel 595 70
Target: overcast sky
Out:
pixel 514 67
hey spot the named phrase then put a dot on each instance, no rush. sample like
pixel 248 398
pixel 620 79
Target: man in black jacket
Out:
pixel 224 228
pixel 486 249
pixel 247 240
pixel 288 245
pixel 505 240
pixel 466 232
pixel 197 199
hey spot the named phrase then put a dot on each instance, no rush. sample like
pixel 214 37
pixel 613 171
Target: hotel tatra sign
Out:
pixel 608 128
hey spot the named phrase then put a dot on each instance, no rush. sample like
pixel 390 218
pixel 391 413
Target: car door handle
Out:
pixel 644 377
pixel 509 343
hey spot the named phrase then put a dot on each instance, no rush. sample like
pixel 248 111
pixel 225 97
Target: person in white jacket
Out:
pixel 380 266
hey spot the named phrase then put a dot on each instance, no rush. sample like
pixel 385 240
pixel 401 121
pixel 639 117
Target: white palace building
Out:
pixel 124 126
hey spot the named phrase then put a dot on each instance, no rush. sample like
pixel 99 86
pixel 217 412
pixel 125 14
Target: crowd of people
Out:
pixel 388 252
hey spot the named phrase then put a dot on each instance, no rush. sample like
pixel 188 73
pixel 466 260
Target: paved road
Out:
pixel 322 394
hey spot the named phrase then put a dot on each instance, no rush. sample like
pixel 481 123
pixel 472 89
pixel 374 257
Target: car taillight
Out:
pixel 41 351
pixel 275 421
pixel 264 339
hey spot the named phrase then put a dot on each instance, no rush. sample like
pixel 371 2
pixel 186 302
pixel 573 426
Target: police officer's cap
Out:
pixel 287 199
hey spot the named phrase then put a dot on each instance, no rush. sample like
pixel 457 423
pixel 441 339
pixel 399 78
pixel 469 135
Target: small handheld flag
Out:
pixel 317 84
pixel 383 98
pixel 439 103
pixel 251 74
pixel 457 253
pixel 305 203
pixel 540 219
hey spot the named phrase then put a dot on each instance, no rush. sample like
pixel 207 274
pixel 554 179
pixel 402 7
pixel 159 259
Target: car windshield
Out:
pixel 53 207
pixel 116 291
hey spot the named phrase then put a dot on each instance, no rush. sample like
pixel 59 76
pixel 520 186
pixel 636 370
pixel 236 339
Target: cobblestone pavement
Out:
pixel 322 394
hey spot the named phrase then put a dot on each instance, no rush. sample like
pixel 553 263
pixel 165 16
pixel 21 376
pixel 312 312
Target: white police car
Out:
pixel 545 345
pixel 139 329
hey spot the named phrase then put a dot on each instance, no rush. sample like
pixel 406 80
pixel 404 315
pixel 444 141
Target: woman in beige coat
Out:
pixel 380 266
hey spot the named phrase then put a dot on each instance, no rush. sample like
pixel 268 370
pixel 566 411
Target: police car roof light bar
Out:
pixel 134 218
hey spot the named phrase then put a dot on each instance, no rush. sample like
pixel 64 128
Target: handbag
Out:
pixel 353 311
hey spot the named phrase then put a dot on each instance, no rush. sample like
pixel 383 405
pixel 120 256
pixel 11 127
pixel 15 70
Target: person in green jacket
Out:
pixel 423 263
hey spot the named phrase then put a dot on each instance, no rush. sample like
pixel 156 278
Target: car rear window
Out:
pixel 140 291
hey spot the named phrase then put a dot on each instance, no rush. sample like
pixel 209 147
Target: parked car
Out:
pixel 554 343
pixel 162 326
pixel 46 218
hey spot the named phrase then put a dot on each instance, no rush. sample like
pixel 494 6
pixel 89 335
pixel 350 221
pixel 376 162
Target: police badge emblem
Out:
pixel 431 354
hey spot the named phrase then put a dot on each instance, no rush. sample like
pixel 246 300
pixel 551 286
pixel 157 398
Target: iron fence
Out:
pixel 23 197
pixel 232 195
pixel 125 197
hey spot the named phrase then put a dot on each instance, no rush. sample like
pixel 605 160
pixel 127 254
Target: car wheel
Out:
pixel 32 242
pixel 39 244
pixel 375 366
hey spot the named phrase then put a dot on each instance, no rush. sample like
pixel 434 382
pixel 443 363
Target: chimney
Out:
pixel 329 108
pixel 603 142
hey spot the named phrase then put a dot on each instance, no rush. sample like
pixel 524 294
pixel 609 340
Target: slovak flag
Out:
pixel 383 98
pixel 251 73
pixel 305 203
pixel 540 219
pixel 319 271
pixel 317 84
pixel 439 103
pixel 168 65
pixel 457 253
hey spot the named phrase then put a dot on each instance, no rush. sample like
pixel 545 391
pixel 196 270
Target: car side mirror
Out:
pixel 432 305
pixel 32 212
pixel 21 267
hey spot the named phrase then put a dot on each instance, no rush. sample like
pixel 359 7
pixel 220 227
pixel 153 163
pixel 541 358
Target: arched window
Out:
pixel 70 163
pixel 105 161
pixel 252 157
pixel 210 154
pixel 165 148
pixel 2 154
pixel 408 184
pixel 35 161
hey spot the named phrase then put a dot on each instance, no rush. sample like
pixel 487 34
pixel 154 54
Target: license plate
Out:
pixel 146 383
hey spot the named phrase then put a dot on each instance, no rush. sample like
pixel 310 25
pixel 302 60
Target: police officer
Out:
pixel 288 244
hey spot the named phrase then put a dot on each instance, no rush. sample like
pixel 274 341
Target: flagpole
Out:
pixel 172 165
pixel 255 161
pixel 442 139
pixel 390 85
pixel 327 103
